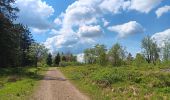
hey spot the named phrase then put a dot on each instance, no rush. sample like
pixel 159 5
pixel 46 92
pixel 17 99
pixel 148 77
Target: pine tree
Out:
pixel 64 58
pixel 57 59
pixel 49 59
pixel 15 39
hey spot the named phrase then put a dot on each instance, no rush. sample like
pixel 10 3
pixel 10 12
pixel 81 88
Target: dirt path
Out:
pixel 56 87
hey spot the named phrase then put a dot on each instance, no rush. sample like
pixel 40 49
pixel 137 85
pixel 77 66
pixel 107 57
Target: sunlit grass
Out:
pixel 19 83
pixel 106 83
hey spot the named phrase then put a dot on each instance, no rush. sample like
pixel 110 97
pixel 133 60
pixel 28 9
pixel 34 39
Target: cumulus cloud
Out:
pixel 58 21
pixel 80 57
pixel 125 29
pixel 161 37
pixel 62 41
pixel 113 6
pixel 160 11
pixel 144 6
pixel 90 31
pixel 34 13
pixel 67 44
pixel 105 22
pixel 83 19
pixel 39 31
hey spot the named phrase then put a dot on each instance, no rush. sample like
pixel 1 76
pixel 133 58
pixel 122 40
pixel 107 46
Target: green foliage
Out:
pixel 63 58
pixel 15 39
pixel 19 82
pixel 129 59
pixel 37 53
pixel 120 82
pixel 100 53
pixel 49 59
pixel 166 51
pixel 151 50
pixel 117 55
pixel 57 59
pixel 139 60
pixel 96 55
pixel 106 76
pixel 65 64
pixel 89 56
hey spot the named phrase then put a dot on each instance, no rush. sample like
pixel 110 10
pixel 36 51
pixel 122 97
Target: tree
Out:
pixel 37 52
pixel 151 50
pixel 25 41
pixel 139 60
pixel 9 44
pixel 129 59
pixel 89 56
pixel 73 58
pixel 166 51
pixel 117 54
pixel 7 9
pixel 57 59
pixel 100 54
pixel 49 59
pixel 15 39
pixel 63 58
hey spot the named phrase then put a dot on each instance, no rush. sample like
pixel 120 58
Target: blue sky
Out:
pixel 74 25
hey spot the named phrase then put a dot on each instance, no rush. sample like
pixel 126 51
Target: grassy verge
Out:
pixel 19 83
pixel 106 83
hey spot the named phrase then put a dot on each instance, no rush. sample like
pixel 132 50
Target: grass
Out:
pixel 106 83
pixel 19 83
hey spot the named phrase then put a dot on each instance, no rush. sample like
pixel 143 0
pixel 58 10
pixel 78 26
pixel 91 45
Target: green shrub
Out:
pixel 107 76
pixel 145 82
pixel 64 64
pixel 164 90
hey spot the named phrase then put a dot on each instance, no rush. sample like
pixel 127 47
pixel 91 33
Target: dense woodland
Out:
pixel 15 38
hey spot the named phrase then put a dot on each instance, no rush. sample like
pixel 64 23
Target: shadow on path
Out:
pixel 54 78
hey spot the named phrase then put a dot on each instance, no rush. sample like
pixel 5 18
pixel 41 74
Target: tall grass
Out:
pixel 106 83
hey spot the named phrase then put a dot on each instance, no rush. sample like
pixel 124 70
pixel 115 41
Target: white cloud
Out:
pixel 39 31
pixel 58 21
pixel 113 6
pixel 161 37
pixel 105 22
pixel 62 41
pixel 90 31
pixel 126 5
pixel 79 14
pixel 35 13
pixel 80 57
pixel 125 29
pixel 144 6
pixel 83 18
pixel 159 12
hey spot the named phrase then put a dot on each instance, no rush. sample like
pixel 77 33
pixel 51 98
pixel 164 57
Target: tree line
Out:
pixel 60 58
pixel 117 55
pixel 17 46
